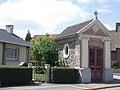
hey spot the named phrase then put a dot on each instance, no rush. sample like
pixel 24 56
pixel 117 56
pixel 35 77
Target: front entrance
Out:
pixel 96 63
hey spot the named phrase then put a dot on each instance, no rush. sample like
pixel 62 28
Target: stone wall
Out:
pixel 71 61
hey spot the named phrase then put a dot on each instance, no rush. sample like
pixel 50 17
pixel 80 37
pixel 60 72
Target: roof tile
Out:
pixel 12 38
pixel 73 29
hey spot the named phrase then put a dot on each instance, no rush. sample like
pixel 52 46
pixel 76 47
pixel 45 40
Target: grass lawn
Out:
pixel 39 77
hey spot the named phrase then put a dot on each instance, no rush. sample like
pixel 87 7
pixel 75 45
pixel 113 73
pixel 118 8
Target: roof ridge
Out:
pixel 71 30
pixel 80 23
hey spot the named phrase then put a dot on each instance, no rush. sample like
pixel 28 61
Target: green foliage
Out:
pixel 39 77
pixel 39 73
pixel 45 51
pixel 114 64
pixel 28 37
pixel 64 75
pixel 15 75
pixel 39 70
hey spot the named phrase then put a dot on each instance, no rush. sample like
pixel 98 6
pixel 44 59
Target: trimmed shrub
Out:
pixel 15 75
pixel 64 75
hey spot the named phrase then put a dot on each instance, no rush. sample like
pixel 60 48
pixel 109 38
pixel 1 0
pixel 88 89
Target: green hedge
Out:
pixel 64 75
pixel 15 75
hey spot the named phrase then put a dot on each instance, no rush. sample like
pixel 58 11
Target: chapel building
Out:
pixel 86 46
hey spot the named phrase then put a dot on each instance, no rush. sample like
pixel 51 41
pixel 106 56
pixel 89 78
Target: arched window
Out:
pixel 66 51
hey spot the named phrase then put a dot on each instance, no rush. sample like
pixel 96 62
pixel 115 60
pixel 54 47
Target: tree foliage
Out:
pixel 45 51
pixel 28 37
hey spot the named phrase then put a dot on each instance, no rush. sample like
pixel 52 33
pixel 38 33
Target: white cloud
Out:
pixel 85 1
pixel 104 10
pixel 109 27
pixel 40 16
pixel 92 1
pixel 105 6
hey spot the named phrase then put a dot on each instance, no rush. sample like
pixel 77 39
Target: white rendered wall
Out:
pixel 22 55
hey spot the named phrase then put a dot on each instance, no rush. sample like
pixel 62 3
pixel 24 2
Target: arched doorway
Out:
pixel 96 63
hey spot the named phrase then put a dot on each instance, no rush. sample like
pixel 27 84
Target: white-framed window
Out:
pixel 11 53
pixel 66 51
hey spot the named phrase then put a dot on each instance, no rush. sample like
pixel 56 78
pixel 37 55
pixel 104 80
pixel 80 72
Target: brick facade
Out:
pixel 99 32
pixel 96 42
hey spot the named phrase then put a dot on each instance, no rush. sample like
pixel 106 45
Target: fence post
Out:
pixel 47 73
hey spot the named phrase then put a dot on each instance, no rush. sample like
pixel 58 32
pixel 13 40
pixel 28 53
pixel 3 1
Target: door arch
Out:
pixel 96 63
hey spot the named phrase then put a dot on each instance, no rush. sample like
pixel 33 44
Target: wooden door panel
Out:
pixel 93 75
pixel 98 76
pixel 92 58
pixel 95 64
pixel 99 57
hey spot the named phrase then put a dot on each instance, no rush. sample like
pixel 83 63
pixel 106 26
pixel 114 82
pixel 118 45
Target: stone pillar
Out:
pixel 84 53
pixel 107 72
pixel 107 54
pixel 78 53
pixel 47 73
pixel 85 75
pixel 85 71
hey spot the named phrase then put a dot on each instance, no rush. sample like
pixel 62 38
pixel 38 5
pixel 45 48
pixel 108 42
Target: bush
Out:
pixel 39 70
pixel 15 75
pixel 114 64
pixel 64 75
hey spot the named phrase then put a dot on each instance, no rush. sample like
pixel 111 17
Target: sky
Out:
pixel 54 16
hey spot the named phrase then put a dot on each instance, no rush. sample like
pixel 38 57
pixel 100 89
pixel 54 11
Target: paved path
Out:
pixel 50 86
pixel 115 88
pixel 47 86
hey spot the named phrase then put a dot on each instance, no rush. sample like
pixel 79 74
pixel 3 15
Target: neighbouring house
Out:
pixel 35 37
pixel 86 46
pixel 13 49
pixel 115 44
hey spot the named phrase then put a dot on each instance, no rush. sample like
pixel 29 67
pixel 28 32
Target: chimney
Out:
pixel 9 28
pixel 117 27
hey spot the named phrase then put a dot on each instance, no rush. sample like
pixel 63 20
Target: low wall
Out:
pixel 116 70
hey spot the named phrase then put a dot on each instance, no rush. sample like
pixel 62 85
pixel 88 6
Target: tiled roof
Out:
pixel 12 38
pixel 73 29
pixel 115 39
pixel 35 37
pixel 54 35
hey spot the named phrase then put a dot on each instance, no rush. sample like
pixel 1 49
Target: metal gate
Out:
pixel 39 73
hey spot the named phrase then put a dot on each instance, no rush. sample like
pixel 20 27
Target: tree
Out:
pixel 45 51
pixel 28 37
